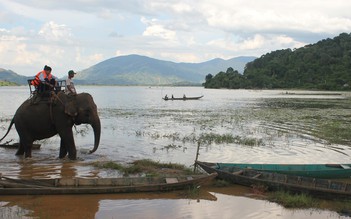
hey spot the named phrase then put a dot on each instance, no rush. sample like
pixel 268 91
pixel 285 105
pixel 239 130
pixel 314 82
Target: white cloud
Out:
pixel 55 32
pixel 154 28
pixel 86 60
pixel 77 34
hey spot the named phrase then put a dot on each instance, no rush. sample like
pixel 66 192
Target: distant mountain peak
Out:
pixel 143 70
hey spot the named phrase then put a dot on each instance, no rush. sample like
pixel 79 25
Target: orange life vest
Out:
pixel 37 80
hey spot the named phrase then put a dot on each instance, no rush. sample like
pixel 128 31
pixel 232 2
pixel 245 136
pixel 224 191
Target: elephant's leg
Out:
pixel 72 152
pixel 20 150
pixel 25 146
pixel 28 149
pixel 26 140
pixel 63 150
pixel 67 144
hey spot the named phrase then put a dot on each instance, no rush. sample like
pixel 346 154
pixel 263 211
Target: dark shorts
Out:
pixel 44 87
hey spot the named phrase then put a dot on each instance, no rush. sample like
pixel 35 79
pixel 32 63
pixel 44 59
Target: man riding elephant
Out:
pixel 44 80
pixel 39 121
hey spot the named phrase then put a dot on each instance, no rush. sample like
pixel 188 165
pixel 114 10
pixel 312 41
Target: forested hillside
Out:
pixel 325 65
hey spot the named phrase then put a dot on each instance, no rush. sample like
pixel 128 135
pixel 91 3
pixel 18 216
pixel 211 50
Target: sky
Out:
pixel 78 34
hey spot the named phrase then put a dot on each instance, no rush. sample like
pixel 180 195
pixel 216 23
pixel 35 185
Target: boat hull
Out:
pixel 183 98
pixel 322 188
pixel 10 186
pixel 325 171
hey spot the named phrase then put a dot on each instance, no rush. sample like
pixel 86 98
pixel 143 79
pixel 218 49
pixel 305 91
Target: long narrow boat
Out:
pixel 182 98
pixel 326 171
pixel 10 186
pixel 323 188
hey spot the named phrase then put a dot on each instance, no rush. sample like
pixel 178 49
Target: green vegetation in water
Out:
pixel 323 119
pixel 209 138
pixel 145 166
pixel 293 200
pixel 288 200
pixel 335 131
pixel 192 192
pixel 221 183
pixel 204 138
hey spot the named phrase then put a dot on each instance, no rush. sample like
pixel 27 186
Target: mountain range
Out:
pixel 10 76
pixel 143 70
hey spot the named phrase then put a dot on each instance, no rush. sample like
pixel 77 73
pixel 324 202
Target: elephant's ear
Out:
pixel 71 108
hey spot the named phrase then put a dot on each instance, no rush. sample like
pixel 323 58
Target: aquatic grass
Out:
pixel 335 132
pixel 108 165
pixel 3 119
pixel 343 207
pixel 205 138
pixel 221 183
pixel 172 146
pixel 293 200
pixel 193 191
pixel 155 167
pixel 210 138
pixel 82 130
pixel 139 133
pixel 145 166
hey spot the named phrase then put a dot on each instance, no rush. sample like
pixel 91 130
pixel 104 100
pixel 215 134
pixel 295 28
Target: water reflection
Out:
pixel 229 202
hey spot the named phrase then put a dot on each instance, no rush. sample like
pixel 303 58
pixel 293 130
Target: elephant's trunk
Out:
pixel 96 125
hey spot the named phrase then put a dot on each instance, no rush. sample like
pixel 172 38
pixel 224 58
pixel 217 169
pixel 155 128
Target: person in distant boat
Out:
pixel 184 96
pixel 44 80
pixel 172 96
pixel 70 89
pixel 166 97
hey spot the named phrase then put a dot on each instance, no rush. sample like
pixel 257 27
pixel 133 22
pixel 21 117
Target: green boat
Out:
pixel 325 171
pixel 272 181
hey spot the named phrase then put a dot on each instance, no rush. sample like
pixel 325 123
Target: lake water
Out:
pixel 271 126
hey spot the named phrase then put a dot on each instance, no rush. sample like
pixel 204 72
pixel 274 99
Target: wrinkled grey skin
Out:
pixel 39 120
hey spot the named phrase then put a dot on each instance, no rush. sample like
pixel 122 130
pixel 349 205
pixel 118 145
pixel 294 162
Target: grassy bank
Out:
pixel 7 83
pixel 144 166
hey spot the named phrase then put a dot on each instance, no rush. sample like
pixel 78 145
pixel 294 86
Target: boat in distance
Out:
pixel 60 186
pixel 182 98
pixel 271 181
pixel 326 171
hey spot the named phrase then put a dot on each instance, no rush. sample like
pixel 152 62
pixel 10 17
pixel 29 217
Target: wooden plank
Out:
pixel 345 166
pixel 171 180
pixel 238 172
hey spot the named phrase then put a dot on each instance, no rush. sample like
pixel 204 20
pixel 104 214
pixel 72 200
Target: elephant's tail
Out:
pixel 8 130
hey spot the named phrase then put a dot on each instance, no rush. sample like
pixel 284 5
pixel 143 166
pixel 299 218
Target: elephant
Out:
pixel 37 120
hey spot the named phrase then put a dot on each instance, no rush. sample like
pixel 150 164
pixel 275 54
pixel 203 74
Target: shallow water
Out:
pixel 138 124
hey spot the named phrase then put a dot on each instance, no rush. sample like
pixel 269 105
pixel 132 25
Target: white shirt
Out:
pixel 69 82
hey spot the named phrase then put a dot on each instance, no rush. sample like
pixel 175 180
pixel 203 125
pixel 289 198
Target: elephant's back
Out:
pixel 24 105
pixel 30 108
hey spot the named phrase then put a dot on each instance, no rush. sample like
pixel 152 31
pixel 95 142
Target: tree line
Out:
pixel 325 65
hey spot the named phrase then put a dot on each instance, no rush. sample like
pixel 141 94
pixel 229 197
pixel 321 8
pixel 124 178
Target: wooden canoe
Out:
pixel 326 171
pixel 182 98
pixel 10 186
pixel 323 188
